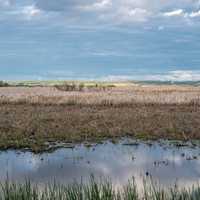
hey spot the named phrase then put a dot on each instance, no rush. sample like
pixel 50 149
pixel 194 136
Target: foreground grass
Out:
pixel 94 190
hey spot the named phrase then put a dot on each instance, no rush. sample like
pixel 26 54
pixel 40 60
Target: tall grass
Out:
pixel 94 190
pixel 80 94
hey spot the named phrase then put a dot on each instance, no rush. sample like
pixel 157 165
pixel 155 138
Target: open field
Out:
pixel 96 94
pixel 32 116
pixel 94 190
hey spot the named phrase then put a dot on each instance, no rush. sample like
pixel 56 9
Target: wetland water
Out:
pixel 164 162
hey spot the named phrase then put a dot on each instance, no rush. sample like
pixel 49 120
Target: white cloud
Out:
pixel 178 12
pixel 111 11
pixel 31 11
pixel 195 14
pixel 25 10
pixel 100 5
pixel 177 75
pixel 136 14
pixel 182 13
pixel 183 75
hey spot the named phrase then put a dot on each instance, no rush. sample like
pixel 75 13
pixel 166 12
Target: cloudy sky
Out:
pixel 100 39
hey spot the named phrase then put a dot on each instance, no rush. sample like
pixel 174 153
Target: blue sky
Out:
pixel 100 39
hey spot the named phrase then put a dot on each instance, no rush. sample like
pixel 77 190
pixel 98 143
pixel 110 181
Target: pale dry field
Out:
pixel 115 95
pixel 34 116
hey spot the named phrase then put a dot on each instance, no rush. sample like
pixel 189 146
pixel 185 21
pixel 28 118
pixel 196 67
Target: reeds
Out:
pixel 29 117
pixel 95 190
pixel 80 94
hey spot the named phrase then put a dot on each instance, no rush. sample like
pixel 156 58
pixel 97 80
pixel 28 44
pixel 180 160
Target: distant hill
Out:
pixel 192 83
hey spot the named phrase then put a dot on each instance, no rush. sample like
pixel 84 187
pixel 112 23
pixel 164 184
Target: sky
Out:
pixel 100 39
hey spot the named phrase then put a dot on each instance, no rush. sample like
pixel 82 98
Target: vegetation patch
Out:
pixel 31 117
pixel 95 190
pixel 3 84
pixel 74 86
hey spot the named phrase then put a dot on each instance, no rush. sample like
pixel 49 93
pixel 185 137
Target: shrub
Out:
pixel 69 87
pixel 3 84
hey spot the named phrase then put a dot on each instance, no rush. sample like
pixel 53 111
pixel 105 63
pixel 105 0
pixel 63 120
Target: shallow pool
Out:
pixel 165 163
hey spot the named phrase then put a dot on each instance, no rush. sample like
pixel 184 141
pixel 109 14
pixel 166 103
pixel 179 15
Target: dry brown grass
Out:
pixel 111 96
pixel 29 117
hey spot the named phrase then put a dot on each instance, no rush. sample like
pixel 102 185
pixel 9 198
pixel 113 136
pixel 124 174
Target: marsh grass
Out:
pixel 95 190
pixel 100 94
pixel 32 116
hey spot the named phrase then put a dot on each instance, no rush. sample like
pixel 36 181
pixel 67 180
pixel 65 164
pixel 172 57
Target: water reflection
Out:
pixel 117 161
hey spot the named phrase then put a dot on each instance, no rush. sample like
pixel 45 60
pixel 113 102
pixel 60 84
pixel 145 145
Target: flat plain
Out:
pixel 34 116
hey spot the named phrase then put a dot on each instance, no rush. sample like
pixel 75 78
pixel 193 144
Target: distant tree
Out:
pixel 3 84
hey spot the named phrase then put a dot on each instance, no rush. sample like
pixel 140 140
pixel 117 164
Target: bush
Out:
pixel 3 84
pixel 69 87
pixel 81 87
